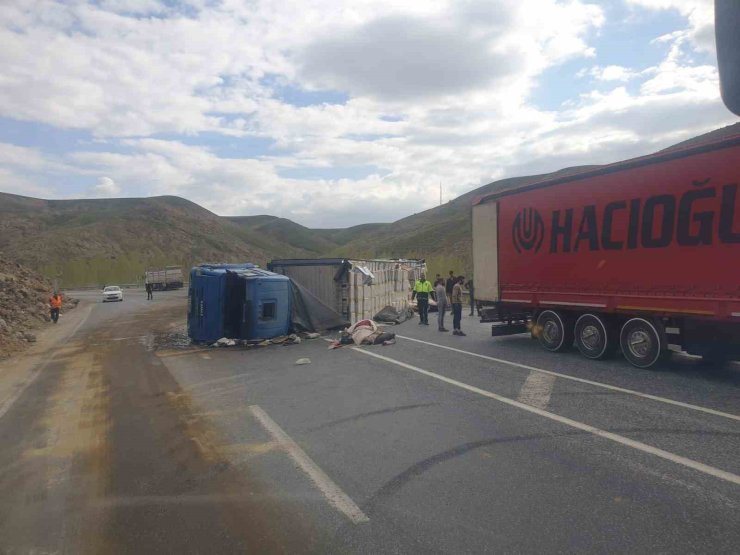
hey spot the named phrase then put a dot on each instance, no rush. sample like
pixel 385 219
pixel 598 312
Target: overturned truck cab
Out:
pixel 641 255
pixel 238 301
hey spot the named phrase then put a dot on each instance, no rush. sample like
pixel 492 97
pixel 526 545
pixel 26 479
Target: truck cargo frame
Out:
pixel 341 284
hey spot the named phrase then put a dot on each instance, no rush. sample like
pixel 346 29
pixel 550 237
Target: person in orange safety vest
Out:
pixel 55 304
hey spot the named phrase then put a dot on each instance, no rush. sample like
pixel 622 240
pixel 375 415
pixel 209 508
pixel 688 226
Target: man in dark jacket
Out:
pixel 449 284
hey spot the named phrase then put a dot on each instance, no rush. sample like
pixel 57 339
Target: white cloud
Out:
pixel 24 157
pixel 613 73
pixel 456 75
pixel 105 187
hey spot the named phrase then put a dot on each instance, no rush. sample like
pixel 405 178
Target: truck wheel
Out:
pixel 640 342
pixel 555 331
pixel 595 337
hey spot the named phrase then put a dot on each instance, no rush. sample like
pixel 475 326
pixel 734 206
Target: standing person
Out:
pixel 471 291
pixel 457 302
pixel 55 305
pixel 450 283
pixel 422 288
pixel 149 289
pixel 439 289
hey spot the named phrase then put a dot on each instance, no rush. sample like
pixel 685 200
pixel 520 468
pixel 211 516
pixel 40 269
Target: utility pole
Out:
pixel 440 193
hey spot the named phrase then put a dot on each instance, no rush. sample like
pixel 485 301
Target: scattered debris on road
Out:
pixel 391 315
pixel 224 342
pixel 364 332
pixel 302 361
pixel 285 340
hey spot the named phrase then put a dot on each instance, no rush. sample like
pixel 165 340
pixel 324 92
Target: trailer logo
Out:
pixel 702 215
pixel 528 230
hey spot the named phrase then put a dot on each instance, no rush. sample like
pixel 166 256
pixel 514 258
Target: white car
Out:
pixel 112 293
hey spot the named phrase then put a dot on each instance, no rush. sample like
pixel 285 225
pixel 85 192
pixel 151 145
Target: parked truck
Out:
pixel 169 277
pixel 641 255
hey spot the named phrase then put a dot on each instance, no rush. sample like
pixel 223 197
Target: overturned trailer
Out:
pixel 242 301
pixel 356 289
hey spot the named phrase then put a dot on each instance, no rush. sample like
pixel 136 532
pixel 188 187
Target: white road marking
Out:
pixel 581 380
pixel 638 445
pixel 336 497
pixel 536 390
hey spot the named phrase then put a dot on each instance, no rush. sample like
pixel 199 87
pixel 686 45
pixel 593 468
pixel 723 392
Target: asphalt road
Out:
pixel 117 439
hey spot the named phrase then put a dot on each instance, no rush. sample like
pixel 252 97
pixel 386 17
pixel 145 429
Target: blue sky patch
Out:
pixel 297 96
pixel 44 137
pixel 624 40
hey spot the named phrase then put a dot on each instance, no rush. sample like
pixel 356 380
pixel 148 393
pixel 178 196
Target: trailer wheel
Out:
pixel 640 342
pixel 555 330
pixel 595 337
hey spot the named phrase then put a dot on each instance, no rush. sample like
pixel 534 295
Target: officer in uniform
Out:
pixel 422 289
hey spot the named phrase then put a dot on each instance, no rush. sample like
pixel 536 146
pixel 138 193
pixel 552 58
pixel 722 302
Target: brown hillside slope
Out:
pixel 84 242
pixel 287 233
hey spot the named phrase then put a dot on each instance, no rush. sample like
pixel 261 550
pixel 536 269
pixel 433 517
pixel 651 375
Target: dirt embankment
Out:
pixel 24 306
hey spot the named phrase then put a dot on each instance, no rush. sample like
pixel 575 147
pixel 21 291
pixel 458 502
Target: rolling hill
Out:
pixel 287 232
pixel 86 242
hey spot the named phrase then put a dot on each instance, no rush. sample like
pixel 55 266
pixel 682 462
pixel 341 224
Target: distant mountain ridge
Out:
pixel 96 241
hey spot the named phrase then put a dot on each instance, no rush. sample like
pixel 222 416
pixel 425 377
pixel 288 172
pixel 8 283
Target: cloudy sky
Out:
pixel 334 112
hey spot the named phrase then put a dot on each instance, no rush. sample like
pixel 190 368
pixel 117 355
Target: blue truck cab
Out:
pixel 238 301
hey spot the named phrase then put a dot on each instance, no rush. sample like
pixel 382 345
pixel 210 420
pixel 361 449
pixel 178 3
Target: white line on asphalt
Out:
pixel 536 390
pixel 581 380
pixel 678 459
pixel 336 497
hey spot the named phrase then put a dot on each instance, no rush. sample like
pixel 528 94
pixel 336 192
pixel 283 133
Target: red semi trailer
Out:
pixel 642 255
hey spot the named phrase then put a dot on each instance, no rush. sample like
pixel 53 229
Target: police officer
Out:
pixel 422 289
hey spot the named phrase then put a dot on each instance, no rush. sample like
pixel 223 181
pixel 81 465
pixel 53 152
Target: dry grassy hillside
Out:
pixel 86 242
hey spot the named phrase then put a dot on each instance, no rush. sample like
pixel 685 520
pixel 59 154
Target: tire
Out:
pixel 641 342
pixel 595 337
pixel 556 331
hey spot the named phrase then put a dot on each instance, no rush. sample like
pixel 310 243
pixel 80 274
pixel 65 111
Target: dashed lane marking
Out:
pixel 536 390
pixel 582 380
pixel 334 495
pixel 637 445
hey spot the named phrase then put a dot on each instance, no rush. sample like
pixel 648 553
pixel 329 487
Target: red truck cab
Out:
pixel 642 255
